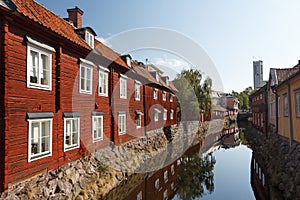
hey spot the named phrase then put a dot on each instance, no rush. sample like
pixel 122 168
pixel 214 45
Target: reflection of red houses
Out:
pixel 65 95
pixel 225 105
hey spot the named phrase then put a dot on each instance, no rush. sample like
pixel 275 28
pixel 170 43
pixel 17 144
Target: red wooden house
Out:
pixel 64 95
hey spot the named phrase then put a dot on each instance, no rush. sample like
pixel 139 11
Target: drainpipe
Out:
pixel 290 114
pixel 145 109
pixel 111 102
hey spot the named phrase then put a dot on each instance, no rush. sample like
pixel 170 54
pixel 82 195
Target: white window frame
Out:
pixel 128 61
pixel 165 195
pixel 137 90
pixel 103 82
pixel 42 154
pixel 165 116
pixel 86 65
pixel 72 146
pixel 138 119
pixel 95 127
pixel 39 49
pixel 123 87
pixel 121 123
pixel 172 114
pixel 164 96
pixel 171 97
pixel 156 184
pixel 156 112
pixel 166 176
pixel 89 38
pixel 297 103
pixel 172 169
pixel 285 106
pixel 139 196
pixel 155 93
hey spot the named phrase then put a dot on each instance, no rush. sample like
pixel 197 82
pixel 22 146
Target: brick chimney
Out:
pixel 75 15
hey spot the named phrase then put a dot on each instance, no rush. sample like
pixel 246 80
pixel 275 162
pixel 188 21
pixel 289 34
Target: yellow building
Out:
pixel 288 102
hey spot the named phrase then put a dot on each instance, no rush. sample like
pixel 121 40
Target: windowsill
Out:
pixel 85 92
pixel 122 133
pixel 97 140
pixel 37 86
pixel 138 127
pixel 123 97
pixel 71 148
pixel 37 157
pixel 102 95
pixel 138 99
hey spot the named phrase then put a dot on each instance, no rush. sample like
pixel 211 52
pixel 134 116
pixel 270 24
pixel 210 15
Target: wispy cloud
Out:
pixel 170 62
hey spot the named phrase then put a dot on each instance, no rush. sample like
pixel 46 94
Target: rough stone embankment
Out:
pixel 94 176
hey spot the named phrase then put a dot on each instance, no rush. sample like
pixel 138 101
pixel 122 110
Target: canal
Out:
pixel 219 168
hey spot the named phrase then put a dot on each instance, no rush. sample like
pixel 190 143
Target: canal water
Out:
pixel 222 169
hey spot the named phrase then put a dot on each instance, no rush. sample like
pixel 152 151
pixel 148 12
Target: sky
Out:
pixel 232 33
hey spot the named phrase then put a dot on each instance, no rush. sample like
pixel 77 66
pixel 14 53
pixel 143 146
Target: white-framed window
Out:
pixel 285 105
pixel 172 186
pixel 123 87
pixel 172 170
pixel 156 184
pixel 138 121
pixel 139 196
pixel 39 66
pixel 165 194
pixel 155 93
pixel 156 76
pixel 171 97
pixel 86 77
pixel 128 61
pixel 263 179
pixel 278 106
pixel 103 83
pixel 164 96
pixel 71 133
pixel 156 112
pixel 89 38
pixel 297 103
pixel 97 128
pixel 137 90
pixel 40 138
pixel 166 176
pixel 122 123
pixel 165 114
pixel 172 114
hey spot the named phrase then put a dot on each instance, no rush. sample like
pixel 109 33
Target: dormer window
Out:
pixel 128 61
pixel 167 81
pixel 89 38
pixel 156 76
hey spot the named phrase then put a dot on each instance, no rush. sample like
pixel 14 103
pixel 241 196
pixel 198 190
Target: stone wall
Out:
pixel 94 176
pixel 280 160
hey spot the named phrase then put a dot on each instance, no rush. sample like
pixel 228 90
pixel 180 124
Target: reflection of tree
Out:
pixel 195 172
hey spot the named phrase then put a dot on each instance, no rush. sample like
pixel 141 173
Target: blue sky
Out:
pixel 233 33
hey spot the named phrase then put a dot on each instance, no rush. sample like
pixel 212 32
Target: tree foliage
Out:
pixel 194 94
pixel 243 97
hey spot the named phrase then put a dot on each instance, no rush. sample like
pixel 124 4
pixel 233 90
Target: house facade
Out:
pixel 259 109
pixel 64 94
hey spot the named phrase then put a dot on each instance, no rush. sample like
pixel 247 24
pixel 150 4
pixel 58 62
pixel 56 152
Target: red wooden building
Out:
pixel 64 95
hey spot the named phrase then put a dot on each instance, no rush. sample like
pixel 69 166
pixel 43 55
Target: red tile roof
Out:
pixel 48 19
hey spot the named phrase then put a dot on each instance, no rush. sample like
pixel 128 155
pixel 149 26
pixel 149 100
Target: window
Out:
pixel 97 128
pixel 155 94
pixel 285 105
pixel 72 131
pixel 139 196
pixel 86 71
pixel 171 114
pixel 172 170
pixel 39 66
pixel 89 38
pixel 137 89
pixel 172 186
pixel 297 103
pixel 138 118
pixel 128 61
pixel 164 96
pixel 156 111
pixel 156 184
pixel 123 88
pixel 40 138
pixel 122 123
pixel 166 176
pixel 165 194
pixel 171 97
pixel 278 106
pixel 165 114
pixel 103 83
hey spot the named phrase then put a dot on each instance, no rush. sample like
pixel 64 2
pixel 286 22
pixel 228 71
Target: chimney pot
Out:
pixel 75 15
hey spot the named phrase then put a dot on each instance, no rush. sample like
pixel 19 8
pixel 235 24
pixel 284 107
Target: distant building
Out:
pixel 258 74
